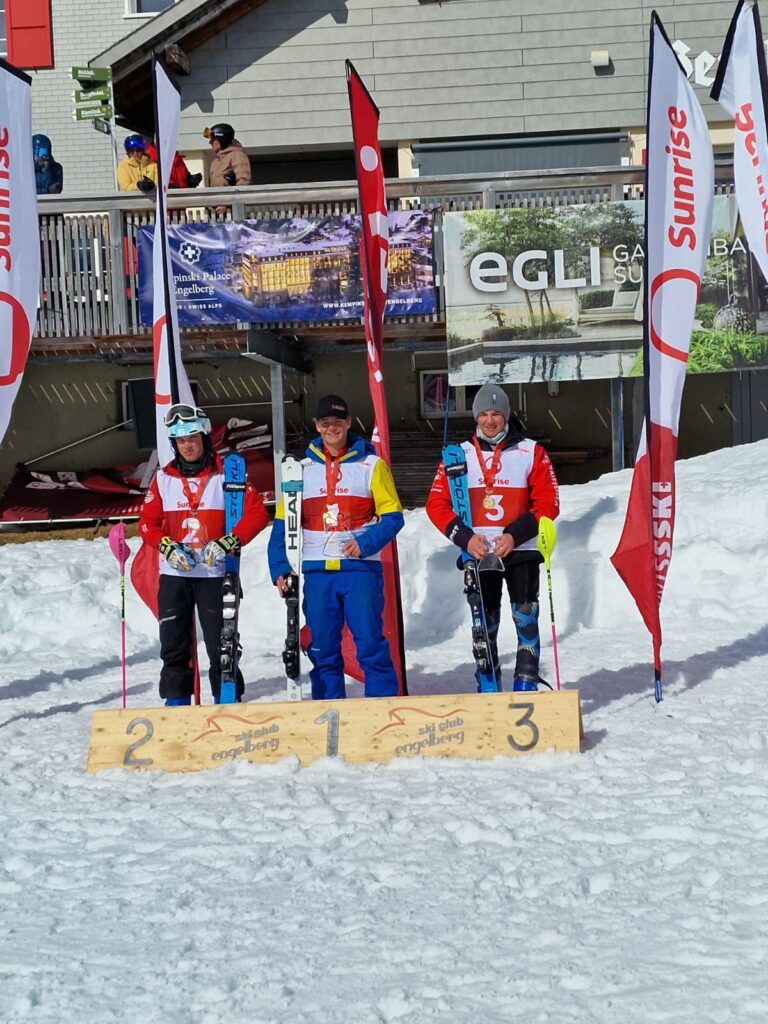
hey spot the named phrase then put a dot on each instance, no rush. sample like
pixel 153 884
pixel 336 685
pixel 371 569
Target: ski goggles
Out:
pixel 183 414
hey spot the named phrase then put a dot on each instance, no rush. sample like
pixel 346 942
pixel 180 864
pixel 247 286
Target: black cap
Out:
pixel 332 405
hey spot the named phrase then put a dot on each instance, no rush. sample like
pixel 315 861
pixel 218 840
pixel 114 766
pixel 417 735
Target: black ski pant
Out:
pixel 177 599
pixel 521 575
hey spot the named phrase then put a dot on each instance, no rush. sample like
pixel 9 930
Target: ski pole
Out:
pixel 121 551
pixel 545 542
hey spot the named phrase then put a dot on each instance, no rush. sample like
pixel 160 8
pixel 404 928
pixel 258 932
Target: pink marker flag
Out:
pixel 678 213
pixel 374 252
pixel 741 86
pixel 19 235
pixel 119 547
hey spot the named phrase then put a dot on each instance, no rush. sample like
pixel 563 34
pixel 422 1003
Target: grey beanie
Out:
pixel 491 396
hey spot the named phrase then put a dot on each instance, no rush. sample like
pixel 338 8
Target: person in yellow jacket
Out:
pixel 136 172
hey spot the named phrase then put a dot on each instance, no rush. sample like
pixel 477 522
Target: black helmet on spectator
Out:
pixel 223 133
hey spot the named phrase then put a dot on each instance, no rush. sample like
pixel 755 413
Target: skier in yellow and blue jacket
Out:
pixel 350 512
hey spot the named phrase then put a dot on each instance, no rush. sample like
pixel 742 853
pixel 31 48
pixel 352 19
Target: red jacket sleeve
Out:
pixel 542 484
pixel 254 517
pixel 152 526
pixel 441 513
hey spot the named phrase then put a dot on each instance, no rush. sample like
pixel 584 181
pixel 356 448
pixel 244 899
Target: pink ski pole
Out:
pixel 121 551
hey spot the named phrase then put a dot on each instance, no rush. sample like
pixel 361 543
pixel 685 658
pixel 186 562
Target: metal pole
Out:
pixel 617 423
pixel 74 444
pixel 278 423
pixel 113 129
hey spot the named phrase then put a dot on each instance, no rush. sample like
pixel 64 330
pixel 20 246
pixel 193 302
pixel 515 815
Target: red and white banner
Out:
pixel 171 381
pixel 19 235
pixel 741 86
pixel 678 212
pixel 374 253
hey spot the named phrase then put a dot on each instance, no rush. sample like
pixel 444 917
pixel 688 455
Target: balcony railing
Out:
pixel 89 279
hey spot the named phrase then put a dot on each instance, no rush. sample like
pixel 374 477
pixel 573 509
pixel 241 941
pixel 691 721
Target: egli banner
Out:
pixel 303 269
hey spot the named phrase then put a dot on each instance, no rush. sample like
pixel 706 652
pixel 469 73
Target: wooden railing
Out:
pixel 89 279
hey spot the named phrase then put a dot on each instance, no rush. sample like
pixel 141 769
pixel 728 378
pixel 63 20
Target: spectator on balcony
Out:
pixel 136 172
pixel 230 165
pixel 180 175
pixel 49 174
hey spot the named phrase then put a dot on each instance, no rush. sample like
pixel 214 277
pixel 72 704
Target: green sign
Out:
pixel 103 94
pixel 85 75
pixel 94 110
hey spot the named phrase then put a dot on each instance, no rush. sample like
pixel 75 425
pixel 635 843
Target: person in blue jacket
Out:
pixel 49 174
pixel 350 512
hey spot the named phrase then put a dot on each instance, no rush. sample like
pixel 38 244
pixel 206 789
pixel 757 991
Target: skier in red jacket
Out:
pixel 511 485
pixel 183 517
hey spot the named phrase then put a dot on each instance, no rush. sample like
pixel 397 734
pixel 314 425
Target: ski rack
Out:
pixel 473 725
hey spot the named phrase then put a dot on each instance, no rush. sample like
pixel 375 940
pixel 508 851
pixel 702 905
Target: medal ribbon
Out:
pixel 489 472
pixel 332 477
pixel 195 499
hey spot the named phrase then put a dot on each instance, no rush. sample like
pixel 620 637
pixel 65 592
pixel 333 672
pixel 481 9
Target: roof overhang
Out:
pixel 186 25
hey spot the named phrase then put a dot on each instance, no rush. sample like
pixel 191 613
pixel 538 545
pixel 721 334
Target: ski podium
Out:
pixel 479 726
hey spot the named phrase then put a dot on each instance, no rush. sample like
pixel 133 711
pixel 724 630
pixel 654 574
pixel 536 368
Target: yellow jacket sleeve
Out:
pixel 383 490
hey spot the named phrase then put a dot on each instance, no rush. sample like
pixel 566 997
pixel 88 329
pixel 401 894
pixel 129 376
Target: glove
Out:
pixel 230 177
pixel 215 551
pixel 145 184
pixel 193 180
pixel 177 555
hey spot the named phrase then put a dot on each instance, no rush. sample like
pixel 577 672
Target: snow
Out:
pixel 627 884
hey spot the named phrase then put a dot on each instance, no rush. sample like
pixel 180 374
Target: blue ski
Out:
pixel 455 462
pixel 229 645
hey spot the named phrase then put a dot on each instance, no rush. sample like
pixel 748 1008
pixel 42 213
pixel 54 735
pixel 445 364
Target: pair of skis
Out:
pixel 292 488
pixel 229 644
pixel 455 462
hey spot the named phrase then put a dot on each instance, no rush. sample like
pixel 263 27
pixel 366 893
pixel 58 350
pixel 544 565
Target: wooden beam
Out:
pixel 476 726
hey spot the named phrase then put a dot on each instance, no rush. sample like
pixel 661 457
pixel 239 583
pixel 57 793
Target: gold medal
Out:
pixel 331 518
pixel 488 502
pixel 193 524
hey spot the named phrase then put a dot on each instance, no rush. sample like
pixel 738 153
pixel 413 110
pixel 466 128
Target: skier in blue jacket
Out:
pixel 350 512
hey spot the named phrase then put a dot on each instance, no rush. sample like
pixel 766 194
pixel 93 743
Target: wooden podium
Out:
pixel 476 725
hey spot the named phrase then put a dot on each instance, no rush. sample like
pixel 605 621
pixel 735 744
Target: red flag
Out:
pixel 678 212
pixel 374 251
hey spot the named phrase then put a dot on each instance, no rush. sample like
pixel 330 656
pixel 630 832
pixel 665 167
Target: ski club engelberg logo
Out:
pixel 189 252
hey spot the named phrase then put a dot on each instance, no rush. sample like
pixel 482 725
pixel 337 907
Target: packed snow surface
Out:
pixel 627 884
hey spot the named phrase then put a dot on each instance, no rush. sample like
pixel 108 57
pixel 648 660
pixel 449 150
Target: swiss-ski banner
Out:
pixel 19 235
pixel 374 251
pixel 678 211
pixel 171 382
pixel 741 86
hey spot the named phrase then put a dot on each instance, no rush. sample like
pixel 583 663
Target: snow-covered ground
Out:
pixel 625 885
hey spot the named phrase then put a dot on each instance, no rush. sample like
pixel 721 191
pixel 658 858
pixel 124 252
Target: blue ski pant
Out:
pixel 357 598
pixel 522 580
